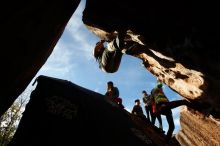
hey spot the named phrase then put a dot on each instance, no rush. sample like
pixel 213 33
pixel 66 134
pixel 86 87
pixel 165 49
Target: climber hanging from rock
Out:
pixel 109 56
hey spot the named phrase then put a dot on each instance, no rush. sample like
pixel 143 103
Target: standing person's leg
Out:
pixel 170 121
pixel 174 104
pixel 154 110
pixel 160 121
pixel 153 118
pixel 151 113
pixel 148 112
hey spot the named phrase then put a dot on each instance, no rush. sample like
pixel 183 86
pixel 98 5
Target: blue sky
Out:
pixel 72 60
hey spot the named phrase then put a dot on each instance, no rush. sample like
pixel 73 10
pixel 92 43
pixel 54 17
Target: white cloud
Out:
pixel 76 20
pixel 72 47
pixel 59 63
pixel 76 30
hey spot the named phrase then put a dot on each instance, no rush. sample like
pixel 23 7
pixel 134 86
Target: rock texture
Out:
pixel 29 32
pixel 198 129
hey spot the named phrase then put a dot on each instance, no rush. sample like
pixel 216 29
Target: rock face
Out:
pixel 29 32
pixel 180 47
pixel 198 129
pixel 62 113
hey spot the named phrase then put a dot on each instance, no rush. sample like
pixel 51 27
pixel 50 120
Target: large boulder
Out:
pixel 198 129
pixel 62 113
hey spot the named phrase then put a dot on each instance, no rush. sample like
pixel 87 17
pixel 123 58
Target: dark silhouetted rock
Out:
pixel 29 32
pixel 62 113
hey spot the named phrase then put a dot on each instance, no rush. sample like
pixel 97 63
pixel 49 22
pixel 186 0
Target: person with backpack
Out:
pixel 164 106
pixel 150 109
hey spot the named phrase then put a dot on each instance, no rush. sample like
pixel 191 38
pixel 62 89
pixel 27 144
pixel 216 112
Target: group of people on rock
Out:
pixel 156 103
